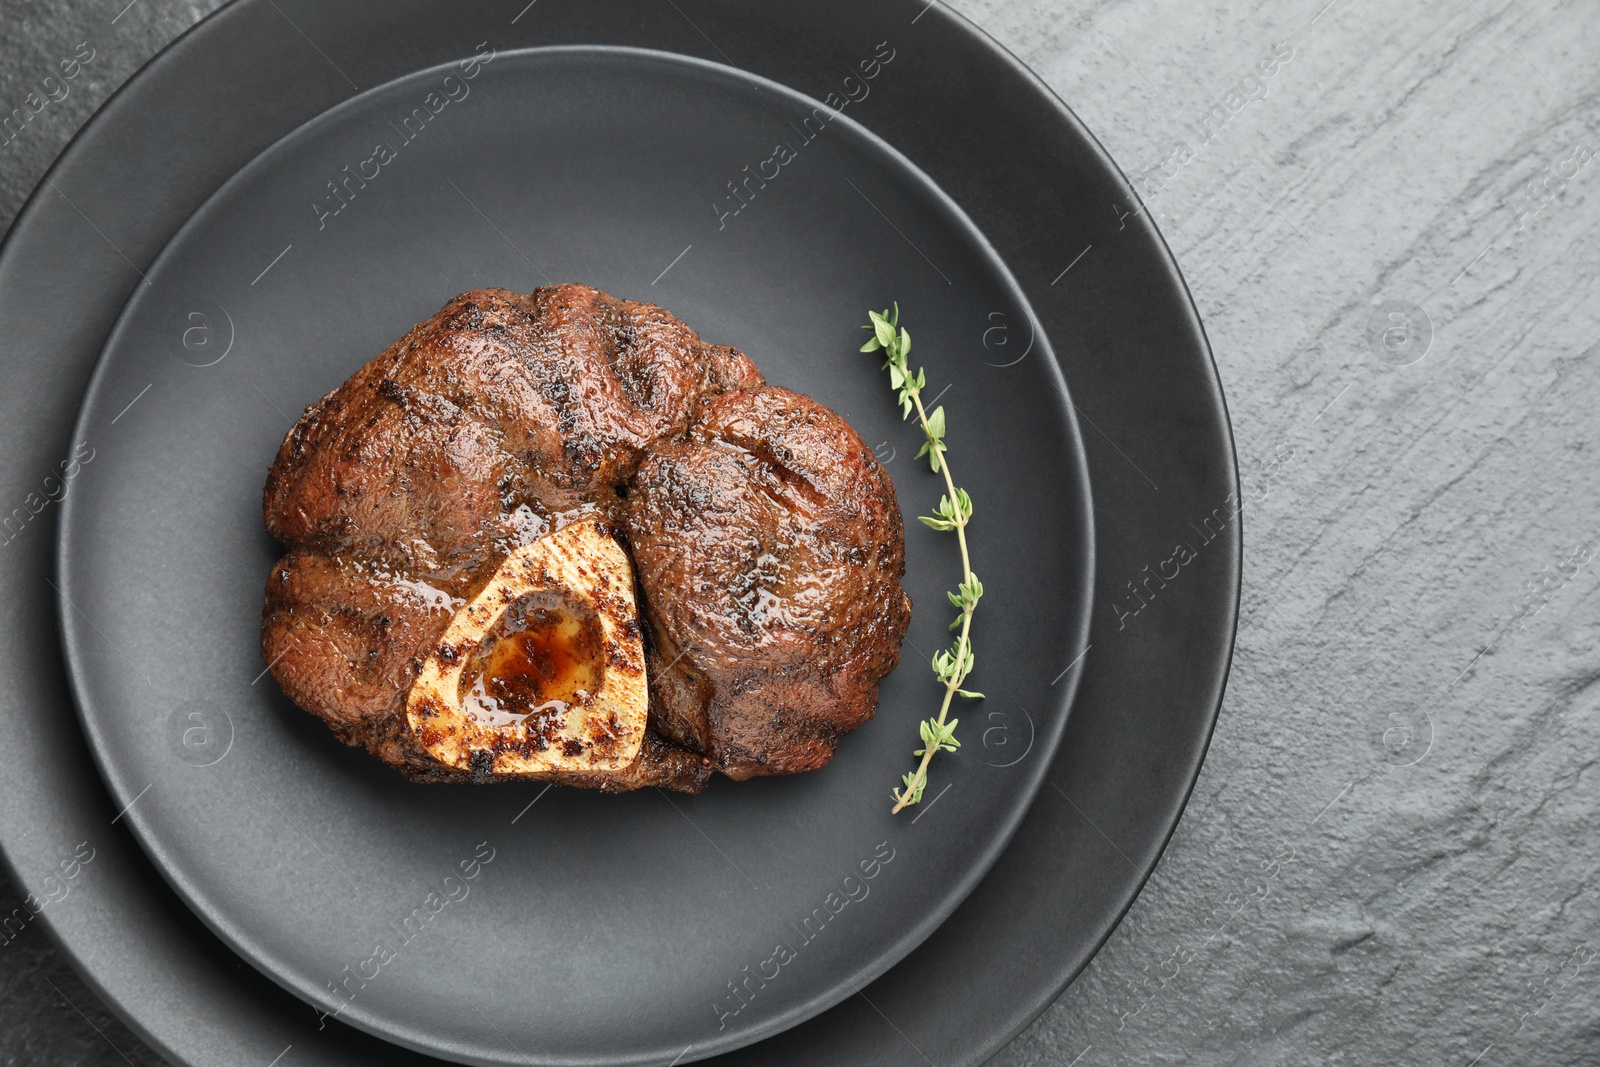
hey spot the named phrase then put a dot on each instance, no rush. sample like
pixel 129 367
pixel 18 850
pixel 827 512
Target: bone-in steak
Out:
pixel 763 534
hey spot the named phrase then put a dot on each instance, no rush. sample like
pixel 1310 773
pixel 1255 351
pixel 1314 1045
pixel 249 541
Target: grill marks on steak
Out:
pixel 770 550
pixel 765 537
pixel 500 401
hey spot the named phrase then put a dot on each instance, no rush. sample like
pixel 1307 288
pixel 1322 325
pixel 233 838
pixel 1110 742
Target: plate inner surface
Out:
pixel 509 923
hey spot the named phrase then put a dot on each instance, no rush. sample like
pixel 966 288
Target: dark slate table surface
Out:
pixel 1390 856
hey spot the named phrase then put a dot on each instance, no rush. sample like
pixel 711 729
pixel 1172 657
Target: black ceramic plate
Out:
pixel 1018 164
pixel 590 929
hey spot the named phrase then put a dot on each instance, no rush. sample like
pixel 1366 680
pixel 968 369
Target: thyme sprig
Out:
pixel 952 665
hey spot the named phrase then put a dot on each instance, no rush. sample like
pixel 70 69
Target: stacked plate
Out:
pixel 287 189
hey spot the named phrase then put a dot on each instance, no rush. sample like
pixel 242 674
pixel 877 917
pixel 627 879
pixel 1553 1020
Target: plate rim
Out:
pixel 1143 218
pixel 266 961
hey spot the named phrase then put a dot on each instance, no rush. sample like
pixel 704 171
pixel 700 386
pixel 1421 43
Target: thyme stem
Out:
pixel 912 794
pixel 954 513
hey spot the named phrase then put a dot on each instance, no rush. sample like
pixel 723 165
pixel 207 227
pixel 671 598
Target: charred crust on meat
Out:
pixel 577 404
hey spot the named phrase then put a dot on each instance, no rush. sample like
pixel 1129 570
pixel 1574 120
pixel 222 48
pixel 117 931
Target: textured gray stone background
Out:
pixel 1390 856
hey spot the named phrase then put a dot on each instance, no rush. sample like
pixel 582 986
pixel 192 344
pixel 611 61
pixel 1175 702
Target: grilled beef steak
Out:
pixel 501 476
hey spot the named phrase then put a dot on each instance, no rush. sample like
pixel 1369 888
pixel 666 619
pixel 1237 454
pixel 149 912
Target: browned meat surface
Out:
pixel 770 551
pixel 764 535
